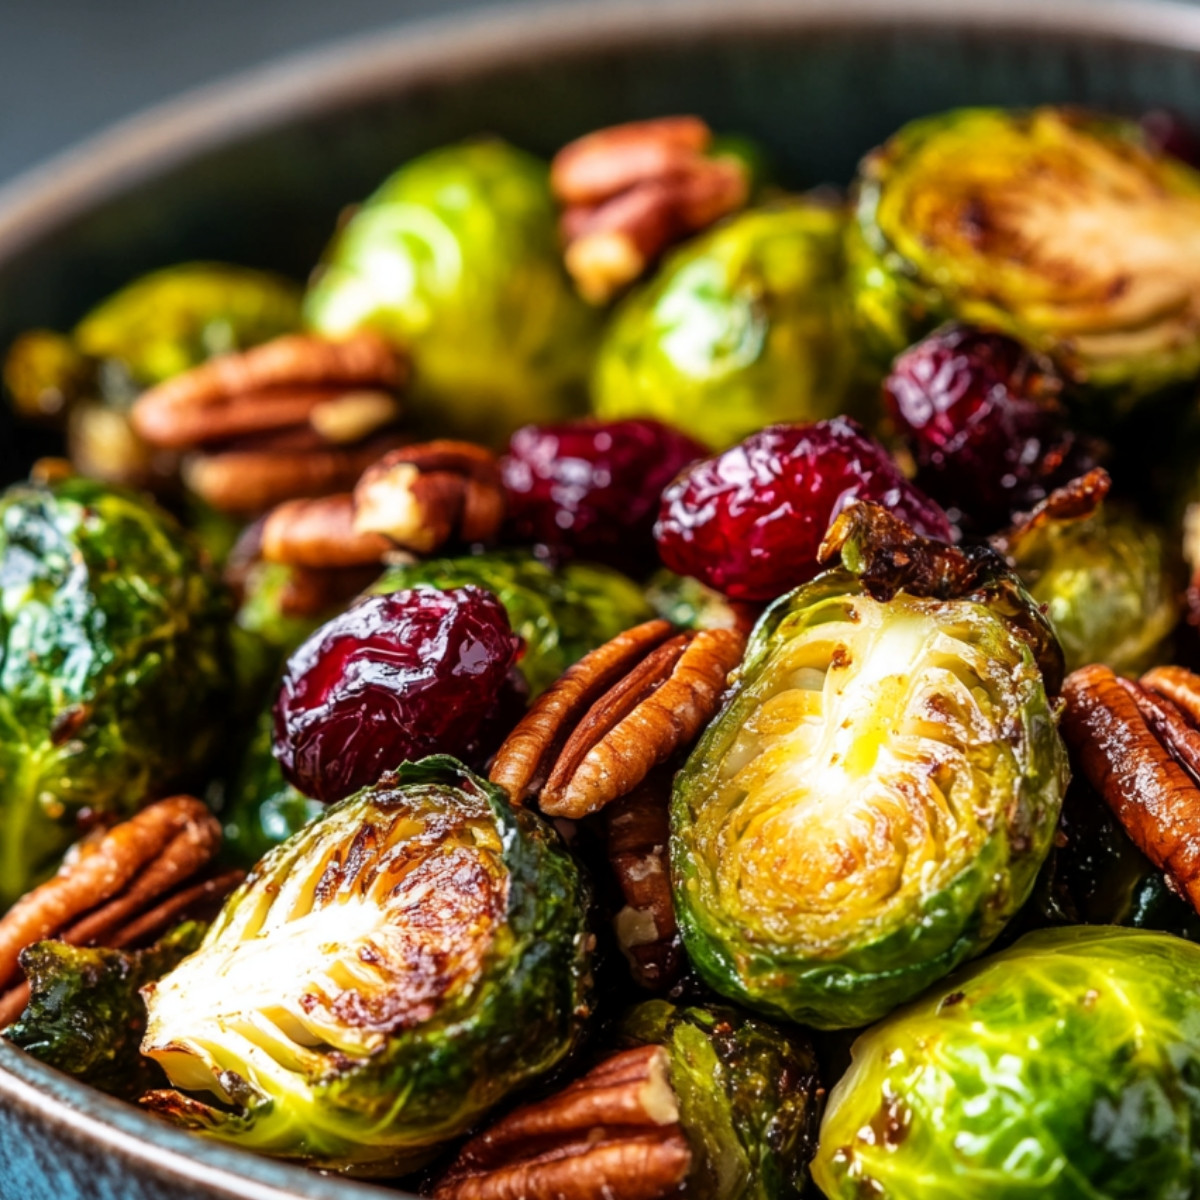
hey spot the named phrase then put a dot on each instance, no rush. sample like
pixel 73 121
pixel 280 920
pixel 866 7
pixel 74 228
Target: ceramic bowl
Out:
pixel 255 171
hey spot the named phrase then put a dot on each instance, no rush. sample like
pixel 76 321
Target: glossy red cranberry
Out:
pixel 591 488
pixel 394 678
pixel 749 522
pixel 983 419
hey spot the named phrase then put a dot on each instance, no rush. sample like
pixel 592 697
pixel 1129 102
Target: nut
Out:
pixel 623 709
pixel 273 386
pixel 247 481
pixel 119 888
pixel 1141 751
pixel 295 417
pixel 319 534
pixel 615 1132
pixel 637 831
pixel 425 495
pixel 632 190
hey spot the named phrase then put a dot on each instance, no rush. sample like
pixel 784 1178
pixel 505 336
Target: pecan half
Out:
pixel 118 888
pixel 637 834
pixel 626 707
pixel 615 1132
pixel 319 533
pixel 632 190
pixel 298 416
pixel 1141 752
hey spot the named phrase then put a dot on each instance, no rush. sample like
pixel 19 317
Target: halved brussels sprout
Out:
pixel 114 664
pixel 874 801
pixel 381 980
pixel 748 1097
pixel 1058 227
pixel 1104 577
pixel 456 256
pixel 1064 1067
pixel 562 613
pixel 742 327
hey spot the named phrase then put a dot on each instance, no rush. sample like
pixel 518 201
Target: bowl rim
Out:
pixel 338 76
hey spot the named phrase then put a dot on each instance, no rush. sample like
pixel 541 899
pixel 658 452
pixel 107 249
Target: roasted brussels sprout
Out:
pixel 261 808
pixel 115 670
pixel 85 1016
pixel 691 604
pixel 742 327
pixel 1104 577
pixel 747 1095
pixel 381 980
pixel 1065 1066
pixel 456 256
pixel 561 613
pixel 1060 228
pixel 1095 875
pixel 876 798
pixel 156 327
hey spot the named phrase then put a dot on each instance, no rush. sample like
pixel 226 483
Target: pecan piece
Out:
pixel 632 190
pixel 1130 742
pixel 626 707
pixel 615 1132
pixel 637 834
pixel 426 495
pixel 319 534
pixel 119 888
pixel 247 480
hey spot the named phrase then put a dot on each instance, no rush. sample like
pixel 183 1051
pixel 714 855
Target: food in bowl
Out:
pixel 501 717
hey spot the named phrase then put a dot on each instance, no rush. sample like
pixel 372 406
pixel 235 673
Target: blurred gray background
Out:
pixel 70 67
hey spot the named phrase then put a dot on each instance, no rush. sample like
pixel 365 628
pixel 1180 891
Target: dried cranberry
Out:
pixel 749 522
pixel 984 421
pixel 1169 132
pixel 592 487
pixel 394 678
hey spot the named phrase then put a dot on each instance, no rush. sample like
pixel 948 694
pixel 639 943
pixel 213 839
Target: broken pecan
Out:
pixel 120 887
pixel 637 833
pixel 626 707
pixel 294 417
pixel 615 1132
pixel 630 191
pixel 415 498
pixel 425 495
pixel 1141 752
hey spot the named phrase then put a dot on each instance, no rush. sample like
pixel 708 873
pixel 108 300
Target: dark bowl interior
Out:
pixel 256 172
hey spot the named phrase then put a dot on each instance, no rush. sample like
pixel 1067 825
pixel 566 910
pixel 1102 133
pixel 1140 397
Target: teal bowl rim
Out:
pixel 338 77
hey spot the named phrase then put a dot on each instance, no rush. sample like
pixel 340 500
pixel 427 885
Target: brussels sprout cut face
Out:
pixel 743 327
pixel 1064 1067
pixel 381 980
pixel 1061 229
pixel 870 808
